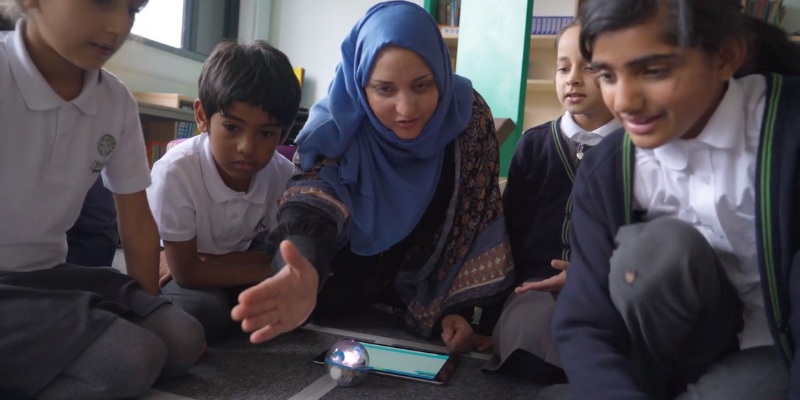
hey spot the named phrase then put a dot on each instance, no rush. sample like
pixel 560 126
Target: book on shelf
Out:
pixel 449 12
pixel 163 129
pixel 159 132
pixel 155 150
pixel 549 25
pixel 772 11
pixel 186 129
pixel 300 73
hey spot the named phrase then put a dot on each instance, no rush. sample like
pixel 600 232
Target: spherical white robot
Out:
pixel 347 362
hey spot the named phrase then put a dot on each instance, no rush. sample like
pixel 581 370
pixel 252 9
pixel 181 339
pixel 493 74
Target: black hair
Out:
pixel 254 73
pixel 6 24
pixel 701 24
pixel 565 28
pixel 9 14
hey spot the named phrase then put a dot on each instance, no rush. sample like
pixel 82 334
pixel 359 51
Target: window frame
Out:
pixel 189 36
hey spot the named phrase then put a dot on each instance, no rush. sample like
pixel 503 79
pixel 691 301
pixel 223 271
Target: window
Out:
pixel 188 27
pixel 161 21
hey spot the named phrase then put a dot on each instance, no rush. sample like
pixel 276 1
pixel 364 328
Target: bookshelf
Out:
pixel 165 117
pixel 541 85
pixel 495 31
pixel 177 114
pixel 541 104
pixel 451 39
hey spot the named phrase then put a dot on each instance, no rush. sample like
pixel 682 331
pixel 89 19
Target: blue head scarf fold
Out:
pixel 385 182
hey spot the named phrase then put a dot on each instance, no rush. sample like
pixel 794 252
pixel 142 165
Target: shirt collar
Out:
pixel 724 130
pixel 578 134
pixel 36 92
pixel 219 191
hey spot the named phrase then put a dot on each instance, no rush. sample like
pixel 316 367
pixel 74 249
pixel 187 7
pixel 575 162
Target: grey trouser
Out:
pixel 210 306
pixel 72 332
pixel 684 317
pixel 128 357
pixel 523 343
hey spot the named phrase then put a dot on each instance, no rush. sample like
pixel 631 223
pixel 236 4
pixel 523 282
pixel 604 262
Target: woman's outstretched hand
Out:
pixel 459 337
pixel 281 303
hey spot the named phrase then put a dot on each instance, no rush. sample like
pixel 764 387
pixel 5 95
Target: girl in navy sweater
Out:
pixel 685 229
pixel 537 205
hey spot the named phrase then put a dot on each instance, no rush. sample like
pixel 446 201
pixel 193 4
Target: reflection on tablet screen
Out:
pixel 404 362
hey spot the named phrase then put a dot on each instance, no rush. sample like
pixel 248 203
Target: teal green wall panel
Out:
pixel 432 6
pixel 493 52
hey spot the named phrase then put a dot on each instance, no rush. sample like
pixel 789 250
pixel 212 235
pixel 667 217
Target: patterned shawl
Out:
pixel 470 260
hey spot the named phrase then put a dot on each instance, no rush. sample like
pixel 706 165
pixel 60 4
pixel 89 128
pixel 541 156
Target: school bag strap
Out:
pixel 778 202
pixel 627 179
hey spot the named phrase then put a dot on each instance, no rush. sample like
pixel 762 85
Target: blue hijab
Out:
pixel 385 182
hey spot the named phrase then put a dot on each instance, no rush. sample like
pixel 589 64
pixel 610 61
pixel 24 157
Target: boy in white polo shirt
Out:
pixel 214 196
pixel 71 332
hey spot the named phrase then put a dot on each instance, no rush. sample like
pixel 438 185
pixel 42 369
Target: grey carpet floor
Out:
pixel 282 368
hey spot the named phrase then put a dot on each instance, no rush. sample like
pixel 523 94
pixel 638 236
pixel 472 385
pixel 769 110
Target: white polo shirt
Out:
pixel 709 182
pixel 51 151
pixel 189 199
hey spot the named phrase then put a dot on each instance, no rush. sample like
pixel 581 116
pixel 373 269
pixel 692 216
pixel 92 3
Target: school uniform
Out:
pixel 537 203
pixel 53 314
pixel 681 270
pixel 189 200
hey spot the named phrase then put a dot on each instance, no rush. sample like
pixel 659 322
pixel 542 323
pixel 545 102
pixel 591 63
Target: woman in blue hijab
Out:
pixel 396 201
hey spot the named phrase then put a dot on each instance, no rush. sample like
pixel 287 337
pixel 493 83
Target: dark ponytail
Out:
pixel 6 24
pixel 702 24
pixel 9 14
pixel 770 50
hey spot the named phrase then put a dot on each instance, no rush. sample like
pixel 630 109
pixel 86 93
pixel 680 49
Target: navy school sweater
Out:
pixel 591 334
pixel 536 201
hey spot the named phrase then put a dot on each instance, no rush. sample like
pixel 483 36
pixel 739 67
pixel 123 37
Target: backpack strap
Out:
pixel 768 222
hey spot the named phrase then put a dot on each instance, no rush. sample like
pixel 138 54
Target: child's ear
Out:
pixel 200 116
pixel 730 57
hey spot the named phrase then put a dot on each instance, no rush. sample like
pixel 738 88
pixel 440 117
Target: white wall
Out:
pixel 311 32
pixel 792 21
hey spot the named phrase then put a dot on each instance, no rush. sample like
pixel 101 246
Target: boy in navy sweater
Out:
pixel 537 205
pixel 686 228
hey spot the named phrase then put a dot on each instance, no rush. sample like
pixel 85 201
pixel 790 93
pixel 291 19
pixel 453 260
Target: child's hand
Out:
pixel 164 276
pixel 554 284
pixel 281 303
